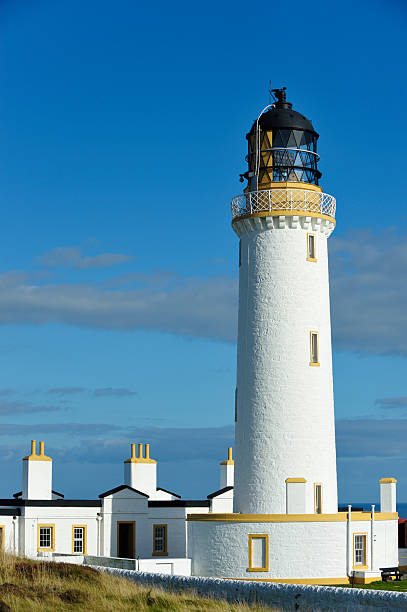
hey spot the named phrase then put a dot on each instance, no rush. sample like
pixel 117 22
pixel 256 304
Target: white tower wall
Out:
pixel 285 412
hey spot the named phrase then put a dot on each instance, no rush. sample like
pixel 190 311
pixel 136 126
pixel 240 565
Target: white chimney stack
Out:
pixel 141 472
pixel 388 494
pixel 227 471
pixel 37 474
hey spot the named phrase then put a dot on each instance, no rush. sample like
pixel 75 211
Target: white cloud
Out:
pixel 368 297
pixel 191 307
pixel 72 257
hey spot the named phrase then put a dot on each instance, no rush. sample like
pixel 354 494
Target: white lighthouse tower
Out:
pixel 285 524
pixel 284 400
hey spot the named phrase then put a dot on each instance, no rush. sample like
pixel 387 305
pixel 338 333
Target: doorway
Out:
pixel 126 540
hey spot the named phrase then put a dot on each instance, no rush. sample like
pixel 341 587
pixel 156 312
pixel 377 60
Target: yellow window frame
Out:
pixel 313 363
pixel 85 538
pixel 52 527
pixel 318 484
pixel 315 247
pixel 253 536
pixel 161 553
pixel 3 537
pixel 365 563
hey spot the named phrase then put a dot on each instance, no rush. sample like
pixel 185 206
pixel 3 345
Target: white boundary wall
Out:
pixel 282 597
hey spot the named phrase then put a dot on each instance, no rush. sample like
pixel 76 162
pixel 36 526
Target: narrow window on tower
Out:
pixel 236 405
pixel 314 349
pixel 360 551
pixel 318 498
pixel 258 553
pixel 240 253
pixel 311 250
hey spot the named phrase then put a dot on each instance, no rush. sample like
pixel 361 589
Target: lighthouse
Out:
pixel 284 416
pixel 286 525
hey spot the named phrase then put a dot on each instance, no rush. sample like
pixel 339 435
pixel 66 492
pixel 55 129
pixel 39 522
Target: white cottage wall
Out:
pixel 63 519
pixel 124 505
pixel 222 502
pixel 11 535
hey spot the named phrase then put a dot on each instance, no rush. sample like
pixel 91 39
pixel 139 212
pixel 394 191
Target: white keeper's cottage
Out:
pixel 275 516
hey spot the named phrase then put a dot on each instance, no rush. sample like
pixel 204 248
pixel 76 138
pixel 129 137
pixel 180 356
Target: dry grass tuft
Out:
pixel 34 586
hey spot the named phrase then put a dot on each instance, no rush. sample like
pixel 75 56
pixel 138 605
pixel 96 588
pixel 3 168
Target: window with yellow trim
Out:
pixel 79 539
pixel 360 551
pixel 258 552
pixel 314 348
pixel 160 533
pixel 46 537
pixel 311 247
pixel 318 498
pixel 2 537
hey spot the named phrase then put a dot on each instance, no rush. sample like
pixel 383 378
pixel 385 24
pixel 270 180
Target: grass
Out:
pixel 390 585
pixel 34 586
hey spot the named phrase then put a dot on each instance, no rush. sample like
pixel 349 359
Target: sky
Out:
pixel 122 137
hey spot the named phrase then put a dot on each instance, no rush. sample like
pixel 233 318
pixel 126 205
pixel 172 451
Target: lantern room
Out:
pixel 282 147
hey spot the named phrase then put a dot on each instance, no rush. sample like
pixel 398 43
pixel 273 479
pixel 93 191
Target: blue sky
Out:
pixel 122 137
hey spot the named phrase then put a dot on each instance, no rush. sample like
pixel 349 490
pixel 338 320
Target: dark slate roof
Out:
pixel 54 503
pixel 121 488
pixel 178 503
pixel 10 512
pixel 20 493
pixel 170 492
pixel 212 495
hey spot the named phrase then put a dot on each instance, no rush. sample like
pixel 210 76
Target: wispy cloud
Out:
pixel 79 429
pixel 369 296
pixel 391 402
pixel 63 391
pixel 166 444
pixel 72 257
pixel 188 307
pixel 112 392
pixel 371 438
pixel 368 300
pixel 23 407
pixel 105 442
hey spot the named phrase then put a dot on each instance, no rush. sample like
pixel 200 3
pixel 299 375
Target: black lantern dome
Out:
pixel 282 147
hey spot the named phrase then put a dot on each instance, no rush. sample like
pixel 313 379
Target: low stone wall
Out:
pixel 282 597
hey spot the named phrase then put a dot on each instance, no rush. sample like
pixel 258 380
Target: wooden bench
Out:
pixel 390 571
